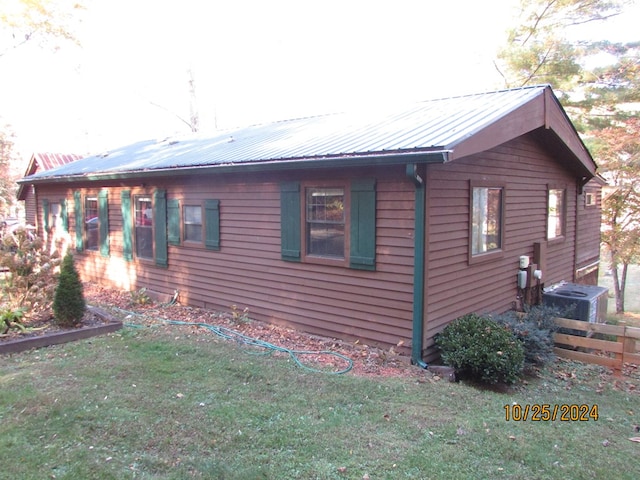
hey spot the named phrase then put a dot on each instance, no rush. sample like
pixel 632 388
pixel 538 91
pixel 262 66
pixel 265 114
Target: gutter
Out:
pixel 433 156
pixel 418 265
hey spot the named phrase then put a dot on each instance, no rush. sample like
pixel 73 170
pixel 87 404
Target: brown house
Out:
pixel 39 162
pixel 377 227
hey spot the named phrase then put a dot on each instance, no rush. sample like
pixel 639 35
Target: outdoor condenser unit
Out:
pixel 590 301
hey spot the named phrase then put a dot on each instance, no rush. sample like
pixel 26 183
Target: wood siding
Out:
pixel 248 271
pixel 30 210
pixel 454 285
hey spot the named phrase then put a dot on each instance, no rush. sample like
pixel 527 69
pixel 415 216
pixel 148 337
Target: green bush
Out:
pixel 534 328
pixel 480 348
pixel 68 302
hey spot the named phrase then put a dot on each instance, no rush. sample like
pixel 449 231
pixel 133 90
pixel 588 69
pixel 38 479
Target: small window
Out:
pixel 91 225
pixel 486 219
pixel 55 218
pixel 143 217
pixel 325 222
pixel 192 215
pixel 556 213
pixel 589 199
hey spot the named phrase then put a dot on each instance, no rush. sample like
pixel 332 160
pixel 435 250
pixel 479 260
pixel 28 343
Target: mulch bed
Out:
pixel 366 360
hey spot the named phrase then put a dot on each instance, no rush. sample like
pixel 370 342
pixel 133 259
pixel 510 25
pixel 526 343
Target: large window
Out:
pixel 486 219
pixel 91 220
pixel 556 213
pixel 192 215
pixel 143 217
pixel 325 222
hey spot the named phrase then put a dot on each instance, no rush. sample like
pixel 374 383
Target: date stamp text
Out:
pixel 544 412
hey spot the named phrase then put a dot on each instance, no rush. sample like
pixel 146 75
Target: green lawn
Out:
pixel 161 403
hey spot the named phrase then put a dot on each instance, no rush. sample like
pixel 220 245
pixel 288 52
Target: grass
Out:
pixel 159 403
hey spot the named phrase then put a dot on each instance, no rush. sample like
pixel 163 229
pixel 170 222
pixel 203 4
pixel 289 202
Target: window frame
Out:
pixel 562 214
pixel 183 224
pixel 143 197
pixel 494 252
pixel 85 227
pixel 590 199
pixel 304 224
pixel 55 219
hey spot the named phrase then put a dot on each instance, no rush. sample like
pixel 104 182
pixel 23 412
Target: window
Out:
pixel 325 222
pixel 556 213
pixel 486 219
pixel 332 224
pixel 143 218
pixel 55 215
pixel 589 199
pixel 192 215
pixel 91 223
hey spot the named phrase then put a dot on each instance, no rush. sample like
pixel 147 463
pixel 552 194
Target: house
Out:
pixel 381 227
pixel 39 162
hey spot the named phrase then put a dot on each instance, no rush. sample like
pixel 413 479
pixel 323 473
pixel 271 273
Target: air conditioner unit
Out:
pixel 590 301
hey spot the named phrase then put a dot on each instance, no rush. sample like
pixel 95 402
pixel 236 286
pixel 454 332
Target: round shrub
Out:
pixel 480 348
pixel 68 302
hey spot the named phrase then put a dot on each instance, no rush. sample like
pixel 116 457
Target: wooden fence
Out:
pixel 608 345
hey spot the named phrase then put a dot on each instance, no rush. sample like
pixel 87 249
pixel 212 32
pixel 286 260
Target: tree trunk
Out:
pixel 619 283
pixel 623 286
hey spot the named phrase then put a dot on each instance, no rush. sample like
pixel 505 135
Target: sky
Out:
pixel 253 61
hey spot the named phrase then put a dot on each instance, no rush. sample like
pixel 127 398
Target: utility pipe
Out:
pixel 418 265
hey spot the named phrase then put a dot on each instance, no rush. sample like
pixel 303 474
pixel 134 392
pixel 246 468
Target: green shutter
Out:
pixel 173 220
pixel 127 234
pixel 363 225
pixel 290 221
pixel 103 218
pixel 160 226
pixel 45 214
pixel 64 215
pixel 77 197
pixel 212 224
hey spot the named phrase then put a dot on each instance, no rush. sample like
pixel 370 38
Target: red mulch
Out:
pixel 367 360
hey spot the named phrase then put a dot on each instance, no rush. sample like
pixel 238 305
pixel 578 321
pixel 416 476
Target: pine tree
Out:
pixel 68 303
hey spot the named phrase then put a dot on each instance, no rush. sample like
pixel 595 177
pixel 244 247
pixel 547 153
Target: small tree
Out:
pixel 68 303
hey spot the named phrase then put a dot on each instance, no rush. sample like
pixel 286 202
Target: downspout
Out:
pixel 418 265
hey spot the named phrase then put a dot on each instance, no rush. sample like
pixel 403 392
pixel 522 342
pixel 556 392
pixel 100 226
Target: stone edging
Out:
pixel 57 338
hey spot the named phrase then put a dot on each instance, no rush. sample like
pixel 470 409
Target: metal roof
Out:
pixel 424 127
pixel 45 161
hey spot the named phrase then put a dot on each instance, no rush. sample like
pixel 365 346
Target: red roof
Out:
pixel 44 162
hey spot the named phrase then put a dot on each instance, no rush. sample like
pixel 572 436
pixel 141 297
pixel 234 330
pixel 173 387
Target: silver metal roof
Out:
pixel 434 125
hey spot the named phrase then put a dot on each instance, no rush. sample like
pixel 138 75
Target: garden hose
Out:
pixel 230 334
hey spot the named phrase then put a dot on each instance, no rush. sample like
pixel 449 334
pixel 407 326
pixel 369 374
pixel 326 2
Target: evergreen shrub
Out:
pixel 68 302
pixel 481 349
pixel 534 328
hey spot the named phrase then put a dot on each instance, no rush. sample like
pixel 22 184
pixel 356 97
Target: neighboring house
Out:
pixel 39 162
pixel 378 227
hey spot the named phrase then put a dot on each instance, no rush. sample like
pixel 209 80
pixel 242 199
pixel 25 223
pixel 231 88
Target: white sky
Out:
pixel 254 61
